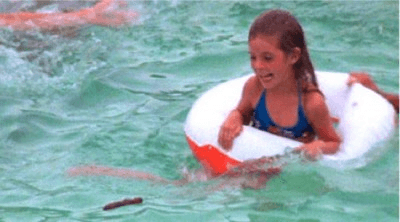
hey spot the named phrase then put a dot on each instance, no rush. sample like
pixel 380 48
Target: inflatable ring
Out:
pixel 366 119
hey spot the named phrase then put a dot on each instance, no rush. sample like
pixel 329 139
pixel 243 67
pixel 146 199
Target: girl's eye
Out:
pixel 268 58
pixel 252 57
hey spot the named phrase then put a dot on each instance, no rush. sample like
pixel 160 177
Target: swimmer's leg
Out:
pixel 114 172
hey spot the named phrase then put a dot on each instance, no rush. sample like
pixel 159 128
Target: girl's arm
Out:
pixel 328 140
pixel 233 124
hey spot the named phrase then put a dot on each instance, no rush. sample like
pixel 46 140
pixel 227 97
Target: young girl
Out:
pixel 283 96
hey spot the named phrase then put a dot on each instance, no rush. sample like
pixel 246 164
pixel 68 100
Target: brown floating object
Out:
pixel 113 205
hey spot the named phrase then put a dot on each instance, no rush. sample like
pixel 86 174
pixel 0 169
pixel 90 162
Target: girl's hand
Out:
pixel 312 151
pixel 230 129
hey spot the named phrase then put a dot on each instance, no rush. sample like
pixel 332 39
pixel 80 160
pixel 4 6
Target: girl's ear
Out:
pixel 295 55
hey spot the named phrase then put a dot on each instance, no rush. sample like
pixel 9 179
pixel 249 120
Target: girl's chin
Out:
pixel 268 84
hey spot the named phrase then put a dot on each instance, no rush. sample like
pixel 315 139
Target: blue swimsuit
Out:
pixel 261 120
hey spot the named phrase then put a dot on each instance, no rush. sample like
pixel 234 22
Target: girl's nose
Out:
pixel 257 64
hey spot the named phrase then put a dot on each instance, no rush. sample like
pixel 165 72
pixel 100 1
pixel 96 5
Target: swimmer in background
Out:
pixel 103 13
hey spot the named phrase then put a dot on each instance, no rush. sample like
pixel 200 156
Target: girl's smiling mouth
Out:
pixel 266 77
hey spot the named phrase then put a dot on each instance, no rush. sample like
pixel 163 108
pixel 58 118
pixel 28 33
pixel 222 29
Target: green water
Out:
pixel 119 98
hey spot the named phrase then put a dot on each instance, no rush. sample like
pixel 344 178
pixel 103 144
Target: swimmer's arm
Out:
pixel 328 141
pixel 366 80
pixel 107 13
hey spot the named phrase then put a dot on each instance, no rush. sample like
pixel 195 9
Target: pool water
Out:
pixel 119 98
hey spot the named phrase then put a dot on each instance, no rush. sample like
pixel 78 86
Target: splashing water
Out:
pixel 118 97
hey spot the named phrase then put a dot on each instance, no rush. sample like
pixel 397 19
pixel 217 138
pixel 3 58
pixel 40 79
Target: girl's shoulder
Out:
pixel 250 94
pixel 252 84
pixel 252 80
pixel 252 87
pixel 314 103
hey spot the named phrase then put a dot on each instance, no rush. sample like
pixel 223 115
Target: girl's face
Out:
pixel 272 66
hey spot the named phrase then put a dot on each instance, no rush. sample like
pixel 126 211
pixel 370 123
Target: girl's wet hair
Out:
pixel 286 28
